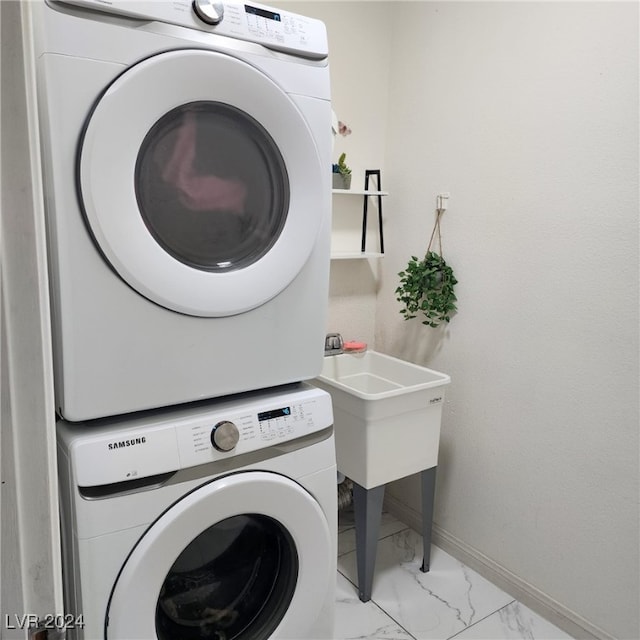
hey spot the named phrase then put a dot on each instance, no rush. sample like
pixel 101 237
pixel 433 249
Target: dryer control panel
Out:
pixel 181 438
pixel 253 22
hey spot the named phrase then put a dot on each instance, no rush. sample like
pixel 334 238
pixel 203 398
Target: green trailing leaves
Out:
pixel 427 287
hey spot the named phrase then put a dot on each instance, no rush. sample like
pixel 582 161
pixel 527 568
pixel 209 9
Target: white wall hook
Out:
pixel 442 200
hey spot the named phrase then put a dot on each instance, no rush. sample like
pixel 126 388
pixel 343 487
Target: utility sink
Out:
pixel 387 415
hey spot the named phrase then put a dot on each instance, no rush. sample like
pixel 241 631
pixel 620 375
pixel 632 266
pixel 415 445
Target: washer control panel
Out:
pixel 177 439
pixel 253 22
pixel 241 432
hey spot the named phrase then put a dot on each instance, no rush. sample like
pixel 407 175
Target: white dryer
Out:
pixel 186 173
pixel 169 531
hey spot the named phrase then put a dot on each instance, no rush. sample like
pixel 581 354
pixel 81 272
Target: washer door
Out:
pixel 245 556
pixel 201 183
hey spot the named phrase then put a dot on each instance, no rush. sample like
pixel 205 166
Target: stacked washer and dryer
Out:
pixel 185 153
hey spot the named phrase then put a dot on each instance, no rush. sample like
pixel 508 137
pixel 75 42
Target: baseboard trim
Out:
pixel 527 594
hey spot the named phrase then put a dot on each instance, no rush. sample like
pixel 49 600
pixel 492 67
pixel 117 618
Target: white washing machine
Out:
pixel 169 536
pixel 186 153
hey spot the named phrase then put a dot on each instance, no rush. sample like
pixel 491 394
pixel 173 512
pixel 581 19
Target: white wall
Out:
pixel 359 44
pixel 527 113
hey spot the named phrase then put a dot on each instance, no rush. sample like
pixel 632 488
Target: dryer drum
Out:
pixel 235 580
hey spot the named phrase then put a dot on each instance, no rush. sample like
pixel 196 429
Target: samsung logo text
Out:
pixel 122 444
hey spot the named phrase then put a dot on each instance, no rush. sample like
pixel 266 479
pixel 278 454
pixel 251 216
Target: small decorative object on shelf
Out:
pixel 341 173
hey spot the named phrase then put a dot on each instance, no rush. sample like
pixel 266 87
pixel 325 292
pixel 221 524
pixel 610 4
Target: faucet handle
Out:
pixel 333 344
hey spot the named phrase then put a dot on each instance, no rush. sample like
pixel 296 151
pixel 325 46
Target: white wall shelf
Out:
pixel 365 194
pixel 359 192
pixel 355 255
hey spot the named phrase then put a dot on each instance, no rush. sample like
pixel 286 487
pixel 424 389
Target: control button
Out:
pixel 209 11
pixel 225 436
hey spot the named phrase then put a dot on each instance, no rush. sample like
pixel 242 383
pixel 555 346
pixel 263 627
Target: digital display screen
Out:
pixel 274 413
pixel 263 13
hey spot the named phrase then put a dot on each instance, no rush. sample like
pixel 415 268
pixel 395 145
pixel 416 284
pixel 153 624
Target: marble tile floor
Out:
pixel 450 601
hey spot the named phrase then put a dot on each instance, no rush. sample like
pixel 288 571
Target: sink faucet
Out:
pixel 333 344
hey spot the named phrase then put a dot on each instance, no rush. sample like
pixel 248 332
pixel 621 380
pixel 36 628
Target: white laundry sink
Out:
pixel 387 415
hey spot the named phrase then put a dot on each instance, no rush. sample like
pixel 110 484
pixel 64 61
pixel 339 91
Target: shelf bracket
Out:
pixel 369 173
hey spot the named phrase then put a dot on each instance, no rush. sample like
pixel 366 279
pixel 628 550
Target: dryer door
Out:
pixel 244 556
pixel 201 182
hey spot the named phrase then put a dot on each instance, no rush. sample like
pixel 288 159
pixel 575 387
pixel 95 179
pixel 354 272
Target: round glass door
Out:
pixel 235 580
pixel 244 556
pixel 201 182
pixel 212 186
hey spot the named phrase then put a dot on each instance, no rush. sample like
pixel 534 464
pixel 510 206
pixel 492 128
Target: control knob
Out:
pixel 209 11
pixel 225 436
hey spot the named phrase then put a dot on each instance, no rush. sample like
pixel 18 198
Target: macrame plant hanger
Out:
pixel 436 229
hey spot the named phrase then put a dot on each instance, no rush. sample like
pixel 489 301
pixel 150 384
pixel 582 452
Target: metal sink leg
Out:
pixel 367 508
pixel 428 481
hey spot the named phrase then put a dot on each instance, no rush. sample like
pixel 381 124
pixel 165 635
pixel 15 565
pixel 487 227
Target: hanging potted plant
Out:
pixel 341 173
pixel 427 285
